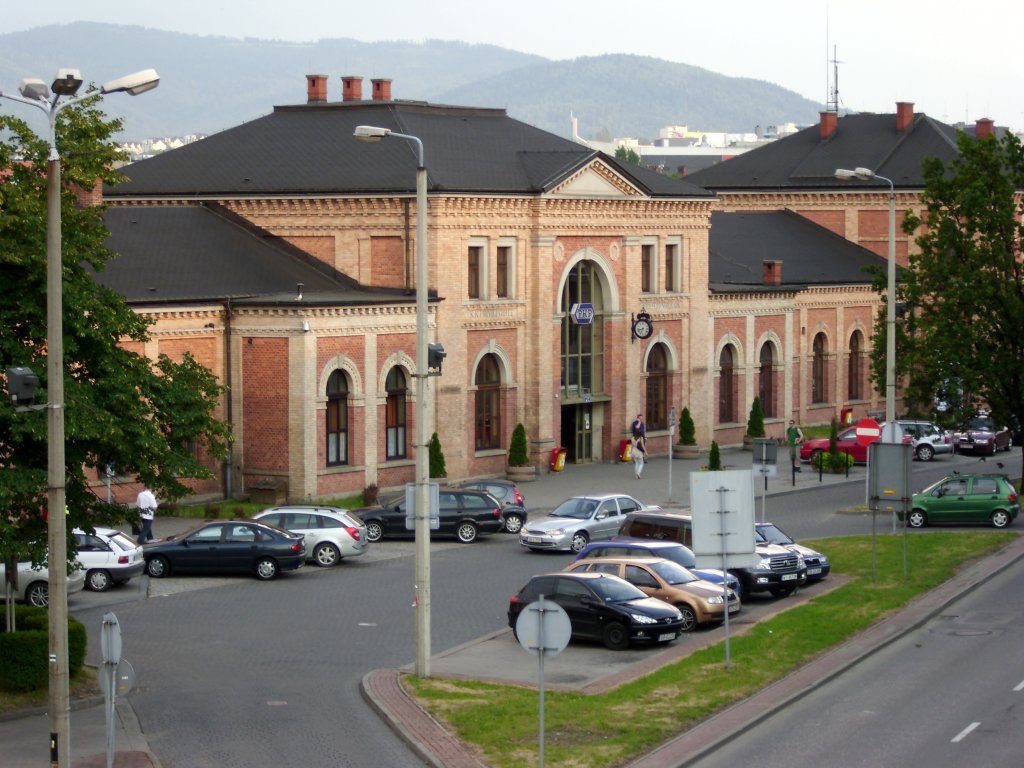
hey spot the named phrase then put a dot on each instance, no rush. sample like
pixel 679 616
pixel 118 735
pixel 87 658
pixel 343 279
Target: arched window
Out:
pixel 488 403
pixel 582 345
pixel 855 368
pixel 766 380
pixel 337 419
pixel 727 385
pixel 394 417
pixel 657 388
pixel 820 347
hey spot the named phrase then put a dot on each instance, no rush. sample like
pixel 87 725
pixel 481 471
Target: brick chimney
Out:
pixel 352 88
pixel 316 89
pixel 904 115
pixel 381 89
pixel 89 198
pixel 829 121
pixel 983 128
pixel 772 273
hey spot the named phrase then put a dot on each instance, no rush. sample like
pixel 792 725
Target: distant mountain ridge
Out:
pixel 211 83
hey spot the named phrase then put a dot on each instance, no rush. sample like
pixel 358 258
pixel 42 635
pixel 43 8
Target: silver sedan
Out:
pixel 577 521
pixel 331 533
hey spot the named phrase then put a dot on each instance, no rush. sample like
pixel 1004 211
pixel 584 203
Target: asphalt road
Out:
pixel 234 672
pixel 946 695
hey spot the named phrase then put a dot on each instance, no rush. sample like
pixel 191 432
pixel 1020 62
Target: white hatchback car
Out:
pixel 108 557
pixel 331 533
pixel 926 438
pixel 34 583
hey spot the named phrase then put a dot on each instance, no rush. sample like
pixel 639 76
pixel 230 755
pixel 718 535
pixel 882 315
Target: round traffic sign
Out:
pixel 868 431
pixel 543 624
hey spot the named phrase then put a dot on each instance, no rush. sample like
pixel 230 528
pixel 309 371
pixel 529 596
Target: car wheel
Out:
pixel 781 591
pixel 689 617
pixel 98 581
pixel 925 452
pixel 615 636
pixel 917 519
pixel 266 568
pixel 579 541
pixel 374 531
pixel 466 532
pixel 326 555
pixel 815 457
pixel 38 594
pixel 1000 519
pixel 158 567
pixel 513 523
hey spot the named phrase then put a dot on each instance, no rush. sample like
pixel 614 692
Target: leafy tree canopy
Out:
pixel 627 155
pixel 964 291
pixel 152 420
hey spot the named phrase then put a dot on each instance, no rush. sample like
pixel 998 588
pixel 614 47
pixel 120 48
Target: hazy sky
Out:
pixel 956 61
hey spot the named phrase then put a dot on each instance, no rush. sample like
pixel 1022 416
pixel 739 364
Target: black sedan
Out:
pixel 228 546
pixel 602 607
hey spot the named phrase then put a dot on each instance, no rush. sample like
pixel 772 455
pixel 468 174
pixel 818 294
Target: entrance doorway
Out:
pixel 577 432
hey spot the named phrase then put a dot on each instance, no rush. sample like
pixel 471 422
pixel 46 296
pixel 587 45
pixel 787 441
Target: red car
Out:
pixel 846 442
pixel 981 435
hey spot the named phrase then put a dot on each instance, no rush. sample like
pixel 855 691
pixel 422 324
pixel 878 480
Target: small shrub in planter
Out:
pixel 687 430
pixel 714 458
pixel 517 453
pixel 755 422
pixel 836 463
pixel 370 494
pixel 437 467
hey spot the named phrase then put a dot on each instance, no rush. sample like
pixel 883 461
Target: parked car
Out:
pixel 620 546
pixel 966 499
pixel 108 557
pixel 227 546
pixel 34 583
pixel 818 566
pixel 981 435
pixel 602 607
pixel 464 514
pixel 925 438
pixel 846 442
pixel 779 571
pixel 699 601
pixel 513 505
pixel 577 521
pixel 330 533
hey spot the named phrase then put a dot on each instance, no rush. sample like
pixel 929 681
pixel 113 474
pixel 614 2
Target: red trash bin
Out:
pixel 625 450
pixel 846 416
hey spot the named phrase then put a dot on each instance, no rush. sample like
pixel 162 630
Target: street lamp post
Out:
pixel 890 324
pixel 35 93
pixel 371 134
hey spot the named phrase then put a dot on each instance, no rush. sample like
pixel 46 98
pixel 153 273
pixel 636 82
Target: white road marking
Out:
pixel 963 734
pixel 1019 686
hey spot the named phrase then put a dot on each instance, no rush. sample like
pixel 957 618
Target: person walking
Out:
pixel 639 429
pixel 146 504
pixel 794 436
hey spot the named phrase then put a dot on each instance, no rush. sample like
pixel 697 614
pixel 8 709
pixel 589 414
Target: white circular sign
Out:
pixel 543 621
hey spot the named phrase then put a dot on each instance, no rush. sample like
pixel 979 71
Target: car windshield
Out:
pixel 123 541
pixel 615 590
pixel 773 535
pixel 579 509
pixel 981 423
pixel 673 573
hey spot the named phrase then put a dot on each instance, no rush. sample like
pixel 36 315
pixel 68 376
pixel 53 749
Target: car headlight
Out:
pixel 556 532
pixel 799 561
pixel 639 618
pixel 716 600
pixel 765 564
pixel 823 560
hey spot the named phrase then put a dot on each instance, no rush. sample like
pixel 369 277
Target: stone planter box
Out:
pixel 685 451
pixel 525 474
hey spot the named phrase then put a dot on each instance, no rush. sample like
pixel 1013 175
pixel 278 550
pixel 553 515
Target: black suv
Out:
pixel 779 572
pixel 513 505
pixel 464 514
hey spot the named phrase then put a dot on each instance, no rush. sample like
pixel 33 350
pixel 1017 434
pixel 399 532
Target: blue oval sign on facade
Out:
pixel 582 313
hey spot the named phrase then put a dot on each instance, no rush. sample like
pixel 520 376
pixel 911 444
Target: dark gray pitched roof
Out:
pixel 203 253
pixel 811 255
pixel 804 160
pixel 309 149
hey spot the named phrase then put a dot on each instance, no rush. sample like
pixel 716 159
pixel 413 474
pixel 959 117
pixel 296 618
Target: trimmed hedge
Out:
pixel 24 654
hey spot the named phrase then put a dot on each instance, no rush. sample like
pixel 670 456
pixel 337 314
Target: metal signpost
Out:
pixel 765 464
pixel 543 628
pixel 671 433
pixel 868 432
pixel 890 489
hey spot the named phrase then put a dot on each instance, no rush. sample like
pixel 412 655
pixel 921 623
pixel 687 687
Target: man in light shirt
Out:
pixel 146 503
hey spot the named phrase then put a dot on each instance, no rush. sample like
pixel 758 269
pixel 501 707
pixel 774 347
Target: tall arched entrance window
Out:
pixel 727 385
pixel 394 416
pixel 657 388
pixel 855 368
pixel 818 369
pixel 582 361
pixel 337 419
pixel 488 403
pixel 766 380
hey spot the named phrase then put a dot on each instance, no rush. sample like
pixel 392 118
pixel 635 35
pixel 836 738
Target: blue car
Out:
pixel 670 550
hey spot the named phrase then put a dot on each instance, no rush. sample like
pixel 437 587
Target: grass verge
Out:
pixel 610 729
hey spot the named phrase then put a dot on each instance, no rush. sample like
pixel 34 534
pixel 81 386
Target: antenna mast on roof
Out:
pixel 833 91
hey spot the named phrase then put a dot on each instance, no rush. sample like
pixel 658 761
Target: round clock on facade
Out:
pixel 642 327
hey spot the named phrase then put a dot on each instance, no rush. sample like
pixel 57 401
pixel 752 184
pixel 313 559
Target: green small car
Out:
pixel 966 499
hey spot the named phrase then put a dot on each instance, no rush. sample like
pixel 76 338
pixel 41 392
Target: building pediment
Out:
pixel 596 180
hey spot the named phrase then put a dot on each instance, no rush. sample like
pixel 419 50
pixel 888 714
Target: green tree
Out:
pixel 153 420
pixel 755 422
pixel 687 430
pixel 627 155
pixel 517 454
pixel 437 467
pixel 714 458
pixel 964 290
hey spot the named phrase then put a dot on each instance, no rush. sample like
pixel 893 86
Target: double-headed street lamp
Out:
pixel 866 174
pixel 370 133
pixel 35 93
